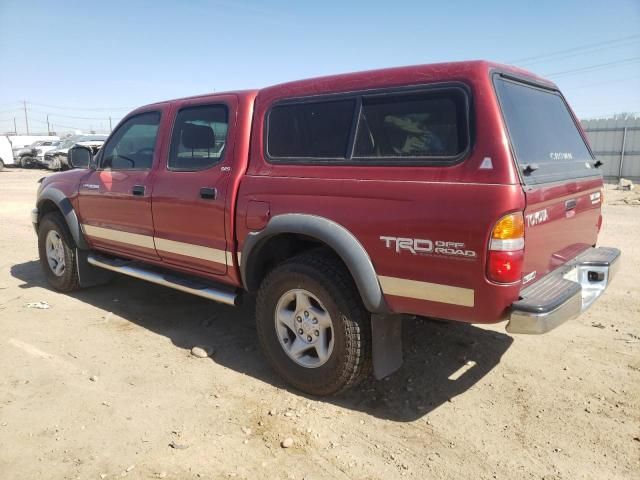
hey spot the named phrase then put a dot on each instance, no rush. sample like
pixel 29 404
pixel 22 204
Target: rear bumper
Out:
pixel 564 293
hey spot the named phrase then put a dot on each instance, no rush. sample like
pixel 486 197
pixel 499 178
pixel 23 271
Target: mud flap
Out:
pixel 386 334
pixel 88 275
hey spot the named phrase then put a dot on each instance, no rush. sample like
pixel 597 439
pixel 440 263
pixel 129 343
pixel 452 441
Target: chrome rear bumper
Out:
pixel 564 293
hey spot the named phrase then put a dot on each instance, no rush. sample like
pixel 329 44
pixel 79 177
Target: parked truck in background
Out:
pixel 31 155
pixel 460 191
pixel 56 159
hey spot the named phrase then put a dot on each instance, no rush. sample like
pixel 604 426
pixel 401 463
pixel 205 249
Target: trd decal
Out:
pixel 421 246
pixel 537 218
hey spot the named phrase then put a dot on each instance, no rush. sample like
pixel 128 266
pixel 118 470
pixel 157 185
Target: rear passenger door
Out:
pixel 190 189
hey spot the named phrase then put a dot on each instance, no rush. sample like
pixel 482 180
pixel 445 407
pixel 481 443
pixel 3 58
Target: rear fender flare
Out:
pixel 337 237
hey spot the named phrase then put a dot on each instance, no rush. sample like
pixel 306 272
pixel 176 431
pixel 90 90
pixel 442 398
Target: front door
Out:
pixel 115 199
pixel 190 189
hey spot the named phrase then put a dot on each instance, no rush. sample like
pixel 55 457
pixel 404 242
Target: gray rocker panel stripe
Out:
pixel 161 244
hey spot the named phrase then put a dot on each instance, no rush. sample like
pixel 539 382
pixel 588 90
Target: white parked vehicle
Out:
pixel 6 153
pixel 57 159
pixel 33 154
pixel 45 147
pixel 21 141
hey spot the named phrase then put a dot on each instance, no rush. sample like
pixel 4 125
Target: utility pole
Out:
pixel 15 129
pixel 48 129
pixel 26 119
pixel 110 127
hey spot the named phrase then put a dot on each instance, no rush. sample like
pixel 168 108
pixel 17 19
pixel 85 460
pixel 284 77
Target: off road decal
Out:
pixel 422 246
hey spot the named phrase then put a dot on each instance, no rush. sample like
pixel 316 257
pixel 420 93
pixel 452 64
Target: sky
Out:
pixel 82 62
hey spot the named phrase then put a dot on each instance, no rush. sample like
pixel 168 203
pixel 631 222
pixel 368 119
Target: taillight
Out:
pixel 506 249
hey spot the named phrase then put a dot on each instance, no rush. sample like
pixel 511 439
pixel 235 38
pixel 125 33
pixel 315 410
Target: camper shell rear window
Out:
pixel 545 138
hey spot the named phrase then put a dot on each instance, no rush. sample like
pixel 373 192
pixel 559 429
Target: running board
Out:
pixel 184 284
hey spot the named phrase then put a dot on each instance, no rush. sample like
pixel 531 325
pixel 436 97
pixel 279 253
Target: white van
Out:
pixel 6 153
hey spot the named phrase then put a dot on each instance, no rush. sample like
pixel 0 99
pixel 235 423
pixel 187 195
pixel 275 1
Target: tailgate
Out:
pixel 560 222
pixel 561 183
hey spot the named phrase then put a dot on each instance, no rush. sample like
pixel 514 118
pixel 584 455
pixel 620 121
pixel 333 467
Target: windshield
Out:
pixel 67 143
pixel 543 134
pixel 92 138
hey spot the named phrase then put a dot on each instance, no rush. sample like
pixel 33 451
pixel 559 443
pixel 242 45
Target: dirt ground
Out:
pixel 102 385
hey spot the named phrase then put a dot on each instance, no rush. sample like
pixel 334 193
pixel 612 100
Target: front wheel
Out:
pixel 312 325
pixel 58 253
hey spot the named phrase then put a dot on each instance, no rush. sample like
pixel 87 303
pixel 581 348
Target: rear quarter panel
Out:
pixel 457 203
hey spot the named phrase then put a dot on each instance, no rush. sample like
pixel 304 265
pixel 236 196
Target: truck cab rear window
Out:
pixel 428 127
pixel 543 133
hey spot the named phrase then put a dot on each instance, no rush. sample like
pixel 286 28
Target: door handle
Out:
pixel 138 190
pixel 208 193
pixel 570 204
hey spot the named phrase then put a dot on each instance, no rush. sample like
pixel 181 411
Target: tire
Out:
pixel 346 357
pixel 1 165
pixel 27 161
pixel 63 279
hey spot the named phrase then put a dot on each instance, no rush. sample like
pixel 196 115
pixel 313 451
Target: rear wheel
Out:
pixel 312 325
pixel 1 165
pixel 58 253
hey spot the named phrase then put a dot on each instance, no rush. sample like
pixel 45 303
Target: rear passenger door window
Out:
pixel 199 137
pixel 132 145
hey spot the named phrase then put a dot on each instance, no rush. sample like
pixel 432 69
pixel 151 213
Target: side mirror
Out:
pixel 79 157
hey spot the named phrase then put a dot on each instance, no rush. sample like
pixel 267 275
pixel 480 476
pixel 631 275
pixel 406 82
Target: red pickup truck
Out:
pixel 461 191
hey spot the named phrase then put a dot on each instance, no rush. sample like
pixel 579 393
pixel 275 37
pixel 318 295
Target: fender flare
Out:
pixel 338 238
pixel 64 205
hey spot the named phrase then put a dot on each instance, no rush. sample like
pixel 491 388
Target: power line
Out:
pixel 605 82
pixel 592 67
pixel 571 55
pixel 538 58
pixel 9 103
pixel 85 109
pixel 56 124
pixel 70 116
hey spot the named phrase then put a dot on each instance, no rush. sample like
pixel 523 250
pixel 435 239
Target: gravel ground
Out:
pixel 102 384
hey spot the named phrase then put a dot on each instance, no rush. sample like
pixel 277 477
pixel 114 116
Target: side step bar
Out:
pixel 137 270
